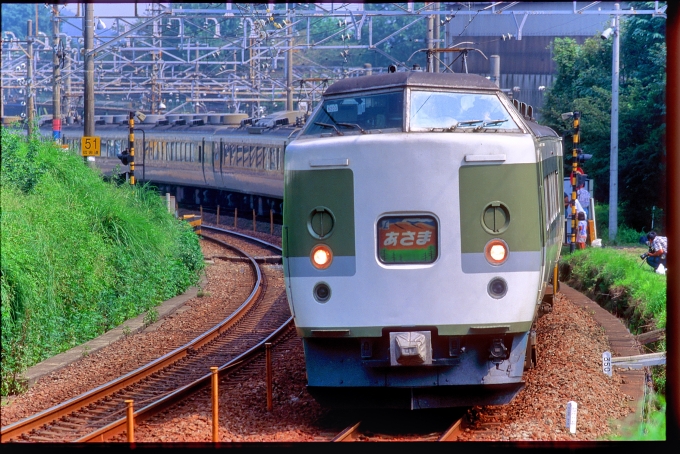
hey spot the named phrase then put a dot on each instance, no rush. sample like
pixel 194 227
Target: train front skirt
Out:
pixel 416 369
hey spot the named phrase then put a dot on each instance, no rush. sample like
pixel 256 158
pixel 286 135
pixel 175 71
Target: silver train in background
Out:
pixel 238 157
pixel 423 222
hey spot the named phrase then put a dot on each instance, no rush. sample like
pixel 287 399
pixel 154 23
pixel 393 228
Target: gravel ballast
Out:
pixel 569 369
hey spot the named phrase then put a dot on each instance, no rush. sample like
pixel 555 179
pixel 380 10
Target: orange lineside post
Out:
pixel 215 402
pixel 268 354
pixel 130 421
pixel 235 216
pixel 254 220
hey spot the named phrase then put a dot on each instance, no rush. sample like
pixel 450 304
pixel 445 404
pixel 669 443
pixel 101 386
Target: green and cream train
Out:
pixel 423 221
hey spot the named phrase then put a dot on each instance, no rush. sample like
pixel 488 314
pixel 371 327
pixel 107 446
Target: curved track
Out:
pixel 101 413
pixel 362 428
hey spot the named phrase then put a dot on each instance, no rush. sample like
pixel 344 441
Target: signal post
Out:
pixel 574 171
pixel 132 148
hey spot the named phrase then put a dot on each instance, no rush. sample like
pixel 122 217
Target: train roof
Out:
pixel 172 131
pixel 411 79
pixel 540 130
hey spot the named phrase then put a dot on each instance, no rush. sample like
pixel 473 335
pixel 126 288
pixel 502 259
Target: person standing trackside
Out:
pixel 583 196
pixel 582 232
pixel 567 214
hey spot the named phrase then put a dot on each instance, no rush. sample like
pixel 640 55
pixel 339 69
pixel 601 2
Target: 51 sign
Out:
pixel 90 146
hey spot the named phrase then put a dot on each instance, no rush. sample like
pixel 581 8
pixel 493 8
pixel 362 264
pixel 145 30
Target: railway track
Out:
pixel 291 407
pixel 403 428
pixel 101 413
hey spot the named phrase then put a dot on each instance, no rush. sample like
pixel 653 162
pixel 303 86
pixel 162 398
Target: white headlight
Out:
pixel 496 251
pixel 321 256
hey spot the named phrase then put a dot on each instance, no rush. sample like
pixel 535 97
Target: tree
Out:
pixel 642 171
pixel 583 83
pixel 16 15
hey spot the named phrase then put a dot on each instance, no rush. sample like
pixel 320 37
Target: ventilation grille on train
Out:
pixel 523 108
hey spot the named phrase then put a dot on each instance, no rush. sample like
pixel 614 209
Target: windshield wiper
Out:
pixel 494 123
pixel 352 125
pixel 326 125
pixel 469 122
pixel 486 124
pixel 464 123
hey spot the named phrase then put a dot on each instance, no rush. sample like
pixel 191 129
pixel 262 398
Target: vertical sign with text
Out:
pixel 571 416
pixel 607 363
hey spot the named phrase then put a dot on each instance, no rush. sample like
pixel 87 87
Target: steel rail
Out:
pixel 352 433
pixel 58 411
pixel 166 401
pixel 247 237
pixel 451 434
pixel 348 434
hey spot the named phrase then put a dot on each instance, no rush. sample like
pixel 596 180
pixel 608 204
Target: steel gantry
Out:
pixel 239 57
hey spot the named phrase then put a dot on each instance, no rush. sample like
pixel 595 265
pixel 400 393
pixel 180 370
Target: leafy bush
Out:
pixel 79 255
pixel 627 287
pixel 653 426
pixel 621 283
pixel 624 234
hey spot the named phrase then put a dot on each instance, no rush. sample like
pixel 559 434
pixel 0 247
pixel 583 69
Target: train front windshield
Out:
pixel 358 114
pixel 430 110
pixel 427 111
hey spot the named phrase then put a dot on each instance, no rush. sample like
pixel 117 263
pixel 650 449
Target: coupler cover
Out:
pixel 410 348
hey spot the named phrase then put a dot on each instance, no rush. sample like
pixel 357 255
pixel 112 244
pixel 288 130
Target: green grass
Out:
pixel 653 427
pixel 79 255
pixel 620 282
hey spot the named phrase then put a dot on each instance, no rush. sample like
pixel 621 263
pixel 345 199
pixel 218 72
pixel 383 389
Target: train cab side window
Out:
pixel 551 198
pixel 359 113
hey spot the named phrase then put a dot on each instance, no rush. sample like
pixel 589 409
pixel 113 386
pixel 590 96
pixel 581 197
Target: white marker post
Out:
pixel 607 363
pixel 571 416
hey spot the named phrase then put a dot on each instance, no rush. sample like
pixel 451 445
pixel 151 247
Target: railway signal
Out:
pixel 132 148
pixel 124 156
pixel 581 176
pixel 576 157
pixel 127 156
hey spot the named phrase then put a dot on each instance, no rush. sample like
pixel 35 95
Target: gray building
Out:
pixel 522 35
